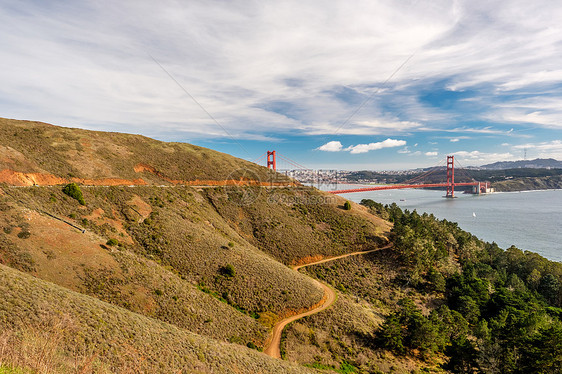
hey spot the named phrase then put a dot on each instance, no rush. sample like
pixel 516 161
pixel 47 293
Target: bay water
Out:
pixel 530 220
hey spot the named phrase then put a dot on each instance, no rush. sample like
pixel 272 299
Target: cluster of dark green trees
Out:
pixel 501 309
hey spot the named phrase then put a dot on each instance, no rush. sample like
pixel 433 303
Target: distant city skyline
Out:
pixel 377 85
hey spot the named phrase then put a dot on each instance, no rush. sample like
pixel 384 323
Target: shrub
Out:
pixel 10 370
pixel 73 190
pixel 436 280
pixel 24 234
pixel 112 242
pixel 347 205
pixel 228 271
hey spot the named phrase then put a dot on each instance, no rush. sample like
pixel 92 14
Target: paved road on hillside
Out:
pixel 272 346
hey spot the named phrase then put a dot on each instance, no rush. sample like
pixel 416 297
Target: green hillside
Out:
pixel 155 260
pixel 529 184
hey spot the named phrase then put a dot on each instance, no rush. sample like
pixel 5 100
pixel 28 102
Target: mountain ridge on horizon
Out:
pixel 537 163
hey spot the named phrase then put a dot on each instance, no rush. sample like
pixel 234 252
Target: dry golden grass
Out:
pixel 159 256
pixel 40 350
pixel 61 254
pixel 185 242
pixel 369 287
pixel 181 238
pixel 65 331
pixel 35 147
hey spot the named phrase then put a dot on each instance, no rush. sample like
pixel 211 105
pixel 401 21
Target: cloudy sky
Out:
pixel 329 84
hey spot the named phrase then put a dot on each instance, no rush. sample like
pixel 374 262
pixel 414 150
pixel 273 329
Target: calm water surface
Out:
pixel 529 220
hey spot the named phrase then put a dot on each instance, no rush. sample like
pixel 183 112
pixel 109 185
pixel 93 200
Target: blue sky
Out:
pixel 339 84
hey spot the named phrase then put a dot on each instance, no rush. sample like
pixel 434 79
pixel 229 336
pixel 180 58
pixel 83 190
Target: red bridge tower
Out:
pixel 271 162
pixel 450 176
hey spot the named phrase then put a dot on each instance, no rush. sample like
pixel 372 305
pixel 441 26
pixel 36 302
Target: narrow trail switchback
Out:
pixel 272 346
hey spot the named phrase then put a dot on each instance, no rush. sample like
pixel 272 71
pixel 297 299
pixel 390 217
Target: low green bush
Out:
pixel 73 190
pixel 228 271
pixel 112 242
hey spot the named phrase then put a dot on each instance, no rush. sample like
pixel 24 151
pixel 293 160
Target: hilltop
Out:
pixel 538 163
pixel 167 240
pixel 43 154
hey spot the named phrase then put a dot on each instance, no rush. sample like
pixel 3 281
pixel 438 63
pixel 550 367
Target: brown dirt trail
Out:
pixel 272 346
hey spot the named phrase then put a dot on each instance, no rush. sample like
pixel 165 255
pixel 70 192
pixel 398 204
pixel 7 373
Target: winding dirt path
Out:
pixel 272 346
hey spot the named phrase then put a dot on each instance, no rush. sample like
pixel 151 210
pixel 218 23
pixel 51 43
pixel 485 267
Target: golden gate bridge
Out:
pixel 417 182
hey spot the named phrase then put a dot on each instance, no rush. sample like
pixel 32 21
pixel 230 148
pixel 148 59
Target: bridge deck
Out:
pixel 400 187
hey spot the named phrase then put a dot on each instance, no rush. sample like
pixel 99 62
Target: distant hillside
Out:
pixel 512 179
pixel 529 184
pixel 539 163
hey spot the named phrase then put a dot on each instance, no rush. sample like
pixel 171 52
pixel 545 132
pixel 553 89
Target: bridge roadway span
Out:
pixel 400 187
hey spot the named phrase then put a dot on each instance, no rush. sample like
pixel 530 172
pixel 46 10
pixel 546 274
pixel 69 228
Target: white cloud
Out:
pixel 488 130
pixel 541 77
pixel 368 127
pixel 552 149
pixel 404 150
pixel 554 144
pixel 431 153
pixel 454 140
pixel 541 111
pixel 336 146
pixel 90 64
pixel 364 148
pixel 538 118
pixel 274 65
pixel 482 157
pixel 333 146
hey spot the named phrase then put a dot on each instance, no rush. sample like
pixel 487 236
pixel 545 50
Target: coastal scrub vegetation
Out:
pixel 500 310
pixel 440 300
pixel 153 279
pixel 73 190
pixel 47 329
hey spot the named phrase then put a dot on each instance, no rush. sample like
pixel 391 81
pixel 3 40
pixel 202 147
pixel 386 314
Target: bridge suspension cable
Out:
pixel 294 163
pixel 414 182
pixel 464 171
pixel 425 174
pixel 259 159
